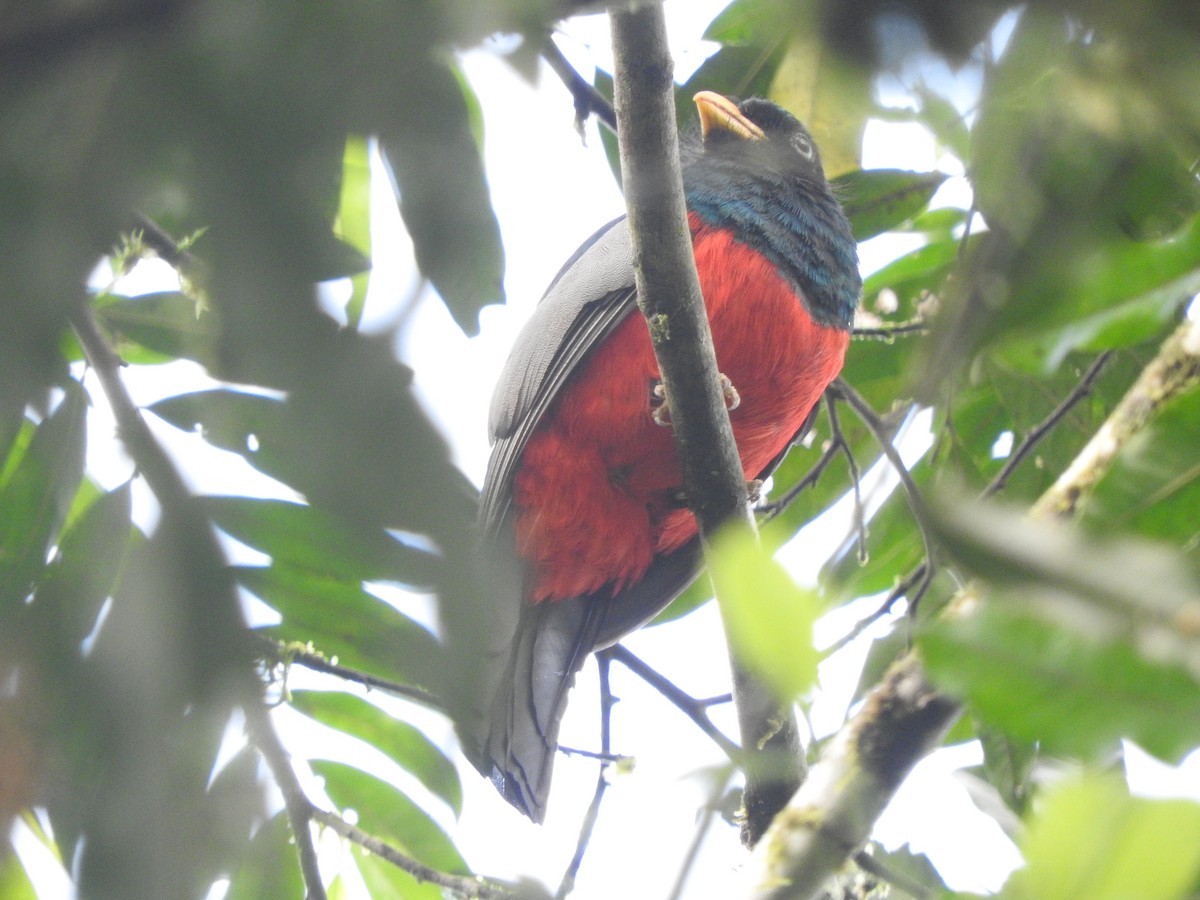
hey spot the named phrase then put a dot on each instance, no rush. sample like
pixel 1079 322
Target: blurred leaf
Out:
pixel 944 121
pixel 1042 681
pixel 269 867
pixel 1113 296
pixel 914 868
pixel 828 92
pixel 308 538
pixel 399 740
pixel 1153 486
pixel 170 324
pixel 736 70
pixel 1092 841
pixel 388 814
pixel 353 223
pixel 12 421
pixel 250 425
pixel 444 196
pixel 883 652
pixel 768 617
pixel 14 882
pixel 915 273
pixel 90 556
pixel 37 494
pixel 878 200
pixel 345 622
pixel 383 879
pixel 1007 764
pixel 753 21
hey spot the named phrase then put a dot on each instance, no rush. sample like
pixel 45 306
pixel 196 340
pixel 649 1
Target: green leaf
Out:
pixel 36 496
pixel 345 622
pixel 911 275
pixel 250 425
pixel 353 223
pixel 388 814
pixel 1153 486
pixel 170 324
pixel 1093 841
pixel 304 537
pixel 269 867
pixel 399 740
pixel 384 879
pixel 444 196
pixel 914 868
pixel 91 554
pixel 14 881
pixel 878 200
pixel 1007 765
pixel 769 618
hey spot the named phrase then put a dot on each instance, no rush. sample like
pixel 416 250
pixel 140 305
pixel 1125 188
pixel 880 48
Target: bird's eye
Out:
pixel 802 145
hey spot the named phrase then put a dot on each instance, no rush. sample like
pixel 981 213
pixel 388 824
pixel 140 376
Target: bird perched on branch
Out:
pixel 584 487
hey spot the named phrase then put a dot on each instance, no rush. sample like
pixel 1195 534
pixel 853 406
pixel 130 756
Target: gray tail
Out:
pixel 551 643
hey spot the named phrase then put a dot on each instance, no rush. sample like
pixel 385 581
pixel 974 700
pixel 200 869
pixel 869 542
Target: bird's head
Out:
pixel 757 134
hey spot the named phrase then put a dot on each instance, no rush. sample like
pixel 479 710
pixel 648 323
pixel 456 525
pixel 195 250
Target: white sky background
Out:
pixel 550 192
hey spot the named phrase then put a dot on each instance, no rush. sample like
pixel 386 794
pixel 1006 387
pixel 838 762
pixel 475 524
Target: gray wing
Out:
pixel 589 297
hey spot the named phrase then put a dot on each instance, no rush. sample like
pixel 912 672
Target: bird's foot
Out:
pixel 661 413
pixel 754 489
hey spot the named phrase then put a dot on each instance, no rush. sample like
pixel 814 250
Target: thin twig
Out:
pixel 888 331
pixel 293 655
pixel 769 511
pixel 299 809
pixel 707 814
pixel 901 589
pixel 588 100
pixel 1043 428
pixel 860 524
pixel 603 660
pixel 695 710
pixel 464 885
pixel 916 504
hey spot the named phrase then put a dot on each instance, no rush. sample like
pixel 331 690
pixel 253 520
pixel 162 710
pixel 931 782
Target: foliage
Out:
pixel 122 655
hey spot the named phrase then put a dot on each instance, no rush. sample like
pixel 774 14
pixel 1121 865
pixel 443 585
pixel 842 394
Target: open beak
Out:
pixel 721 112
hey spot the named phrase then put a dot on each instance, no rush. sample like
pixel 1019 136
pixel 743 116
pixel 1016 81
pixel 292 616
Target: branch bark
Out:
pixel 669 297
pixel 905 717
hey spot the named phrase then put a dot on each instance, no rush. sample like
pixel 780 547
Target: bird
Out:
pixel 582 498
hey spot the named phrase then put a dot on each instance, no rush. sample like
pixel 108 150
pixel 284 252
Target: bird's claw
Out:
pixel 754 490
pixel 661 414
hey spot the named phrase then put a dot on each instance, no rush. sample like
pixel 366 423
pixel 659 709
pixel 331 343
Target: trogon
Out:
pixel 583 489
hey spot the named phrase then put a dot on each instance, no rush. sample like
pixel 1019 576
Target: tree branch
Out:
pixel 1043 428
pixel 696 710
pixel 299 809
pixel 588 100
pixel 463 885
pixel 290 654
pixel 669 297
pixel 904 718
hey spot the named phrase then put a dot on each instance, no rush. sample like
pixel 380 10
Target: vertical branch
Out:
pixel 669 297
